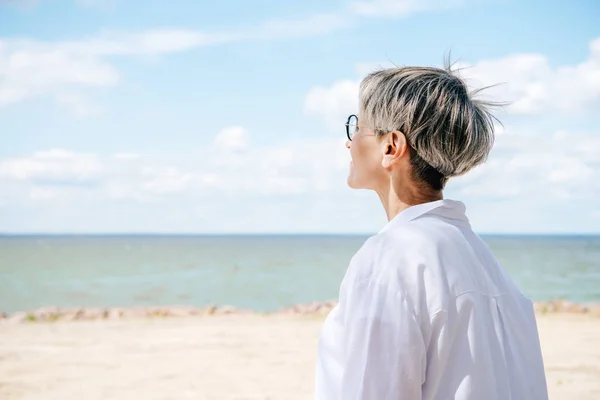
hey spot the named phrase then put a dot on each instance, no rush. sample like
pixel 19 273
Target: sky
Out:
pixel 227 117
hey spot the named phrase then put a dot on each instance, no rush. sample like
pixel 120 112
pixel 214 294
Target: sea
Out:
pixel 262 273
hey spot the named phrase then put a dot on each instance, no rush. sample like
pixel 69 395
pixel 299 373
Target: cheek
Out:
pixel 364 159
pixel 359 152
pixel 354 151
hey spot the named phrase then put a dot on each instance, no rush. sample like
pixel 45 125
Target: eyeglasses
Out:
pixel 351 126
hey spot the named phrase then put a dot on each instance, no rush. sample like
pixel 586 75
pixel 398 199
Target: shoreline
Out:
pixel 57 314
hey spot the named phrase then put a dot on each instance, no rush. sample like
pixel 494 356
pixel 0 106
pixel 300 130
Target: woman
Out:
pixel 425 311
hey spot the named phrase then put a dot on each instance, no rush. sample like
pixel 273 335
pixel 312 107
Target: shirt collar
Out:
pixel 450 209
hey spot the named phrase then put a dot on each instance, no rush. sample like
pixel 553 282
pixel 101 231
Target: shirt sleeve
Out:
pixel 384 352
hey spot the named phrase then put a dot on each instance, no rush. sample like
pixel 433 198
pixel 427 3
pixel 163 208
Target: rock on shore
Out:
pixel 51 314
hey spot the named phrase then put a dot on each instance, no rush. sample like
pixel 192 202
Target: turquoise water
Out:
pixel 257 272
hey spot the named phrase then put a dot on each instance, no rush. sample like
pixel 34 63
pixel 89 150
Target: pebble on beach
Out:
pixel 51 314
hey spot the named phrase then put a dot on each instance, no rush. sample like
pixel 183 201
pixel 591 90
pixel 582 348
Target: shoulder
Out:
pixel 383 274
pixel 386 257
pixel 407 259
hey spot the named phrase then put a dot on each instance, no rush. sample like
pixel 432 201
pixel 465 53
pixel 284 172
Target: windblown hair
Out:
pixel 448 131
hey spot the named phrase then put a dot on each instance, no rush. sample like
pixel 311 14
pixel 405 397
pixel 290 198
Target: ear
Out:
pixel 394 147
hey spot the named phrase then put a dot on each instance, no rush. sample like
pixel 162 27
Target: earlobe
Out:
pixel 386 162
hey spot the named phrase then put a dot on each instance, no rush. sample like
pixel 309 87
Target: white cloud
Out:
pixel 166 180
pixel 534 86
pixel 291 186
pixel 28 70
pixel 126 156
pixel 223 169
pixel 43 193
pixel 534 182
pixel 537 166
pixel 104 4
pixel 31 68
pixel 78 104
pixel 313 25
pixel 399 8
pixel 234 138
pixel 151 42
pixel 333 103
pixel 53 166
pixel 526 80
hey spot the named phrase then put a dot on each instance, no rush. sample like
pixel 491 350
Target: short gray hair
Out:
pixel 447 128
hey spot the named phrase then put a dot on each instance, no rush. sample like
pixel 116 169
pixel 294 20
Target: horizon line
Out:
pixel 116 234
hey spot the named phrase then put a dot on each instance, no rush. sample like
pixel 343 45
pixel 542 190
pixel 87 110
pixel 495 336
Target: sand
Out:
pixel 225 357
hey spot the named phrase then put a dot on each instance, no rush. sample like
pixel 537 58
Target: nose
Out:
pixel 348 144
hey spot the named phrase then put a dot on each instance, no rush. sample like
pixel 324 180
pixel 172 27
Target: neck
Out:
pixel 399 197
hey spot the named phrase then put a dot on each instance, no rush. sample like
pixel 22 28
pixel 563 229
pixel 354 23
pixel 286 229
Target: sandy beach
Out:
pixel 225 357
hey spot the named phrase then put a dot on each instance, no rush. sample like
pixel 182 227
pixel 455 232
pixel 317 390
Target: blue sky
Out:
pixel 219 117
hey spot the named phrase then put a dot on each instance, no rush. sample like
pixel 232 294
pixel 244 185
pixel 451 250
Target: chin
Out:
pixel 352 184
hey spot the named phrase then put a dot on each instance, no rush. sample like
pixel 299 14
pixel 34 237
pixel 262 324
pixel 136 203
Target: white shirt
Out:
pixel 426 312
